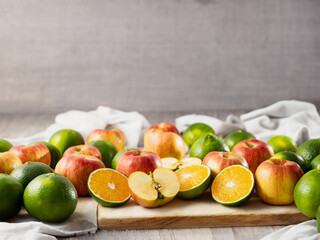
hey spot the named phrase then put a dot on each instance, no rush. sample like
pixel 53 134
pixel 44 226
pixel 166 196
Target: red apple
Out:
pixel 217 161
pixel 8 162
pixel 276 179
pixel 115 136
pixel 138 160
pixel 164 139
pixel 254 152
pixel 83 149
pixel 36 152
pixel 77 168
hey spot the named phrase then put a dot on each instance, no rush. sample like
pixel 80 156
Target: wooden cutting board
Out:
pixel 202 212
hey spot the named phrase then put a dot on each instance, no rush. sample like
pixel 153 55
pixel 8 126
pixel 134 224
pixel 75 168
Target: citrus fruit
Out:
pixel 237 136
pixel 50 197
pixel 307 193
pixel 109 187
pixel 194 131
pixel 11 192
pixel 294 157
pixel 175 164
pixel 65 138
pixel 107 150
pixel 30 170
pixel 309 150
pixel 54 152
pixel 206 144
pixel 116 157
pixel 315 163
pixel 194 181
pixel 233 186
pixel 5 145
pixel 281 143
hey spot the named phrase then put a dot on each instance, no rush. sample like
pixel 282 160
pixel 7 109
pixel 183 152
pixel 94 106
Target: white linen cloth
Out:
pixel 296 119
pixel 84 219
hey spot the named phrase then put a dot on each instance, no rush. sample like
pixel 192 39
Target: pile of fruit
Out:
pixel 48 177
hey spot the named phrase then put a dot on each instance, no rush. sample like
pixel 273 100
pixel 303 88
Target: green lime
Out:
pixel 309 150
pixel 307 193
pixel 194 131
pixel 281 143
pixel 109 187
pixel 315 163
pixel 206 144
pixel 5 145
pixel 233 186
pixel 107 150
pixel 54 152
pixel 11 192
pixel 116 157
pixel 194 181
pixel 237 136
pixel 50 197
pixel 294 157
pixel 27 172
pixel 65 138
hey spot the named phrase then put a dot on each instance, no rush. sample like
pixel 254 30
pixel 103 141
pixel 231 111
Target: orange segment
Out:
pixel 232 185
pixel 191 176
pixel 109 186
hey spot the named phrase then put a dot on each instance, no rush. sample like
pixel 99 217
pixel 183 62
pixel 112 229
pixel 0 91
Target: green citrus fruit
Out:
pixel 107 150
pixel 318 219
pixel 5 145
pixel 307 193
pixel 28 171
pixel 294 157
pixel 194 131
pixel 281 143
pixel 315 163
pixel 233 186
pixel 11 192
pixel 194 181
pixel 309 150
pixel 116 157
pixel 54 152
pixel 50 197
pixel 206 144
pixel 237 136
pixel 109 187
pixel 65 138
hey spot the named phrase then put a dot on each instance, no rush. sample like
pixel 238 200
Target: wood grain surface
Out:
pixel 22 125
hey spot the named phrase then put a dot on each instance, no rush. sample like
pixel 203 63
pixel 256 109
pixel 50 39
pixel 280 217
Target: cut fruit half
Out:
pixel 175 164
pixel 109 187
pixel 155 189
pixel 233 186
pixel 194 181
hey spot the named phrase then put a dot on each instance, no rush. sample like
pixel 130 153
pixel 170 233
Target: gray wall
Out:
pixel 151 55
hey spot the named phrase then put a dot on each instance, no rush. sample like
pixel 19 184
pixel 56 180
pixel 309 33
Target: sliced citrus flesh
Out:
pixel 233 186
pixel 194 181
pixel 109 187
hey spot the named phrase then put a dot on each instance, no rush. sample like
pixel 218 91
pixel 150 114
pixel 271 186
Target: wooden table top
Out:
pixel 22 125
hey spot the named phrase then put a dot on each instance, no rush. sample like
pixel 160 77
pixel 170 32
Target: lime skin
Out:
pixel 237 136
pixel 65 138
pixel 194 131
pixel 107 150
pixel 5 145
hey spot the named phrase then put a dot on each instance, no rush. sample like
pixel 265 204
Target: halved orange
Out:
pixel 233 186
pixel 194 181
pixel 109 187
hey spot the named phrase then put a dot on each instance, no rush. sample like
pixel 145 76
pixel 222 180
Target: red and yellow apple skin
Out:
pixel 83 149
pixel 217 161
pixel 254 152
pixel 138 160
pixel 164 139
pixel 36 152
pixel 77 168
pixel 8 162
pixel 276 179
pixel 115 136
